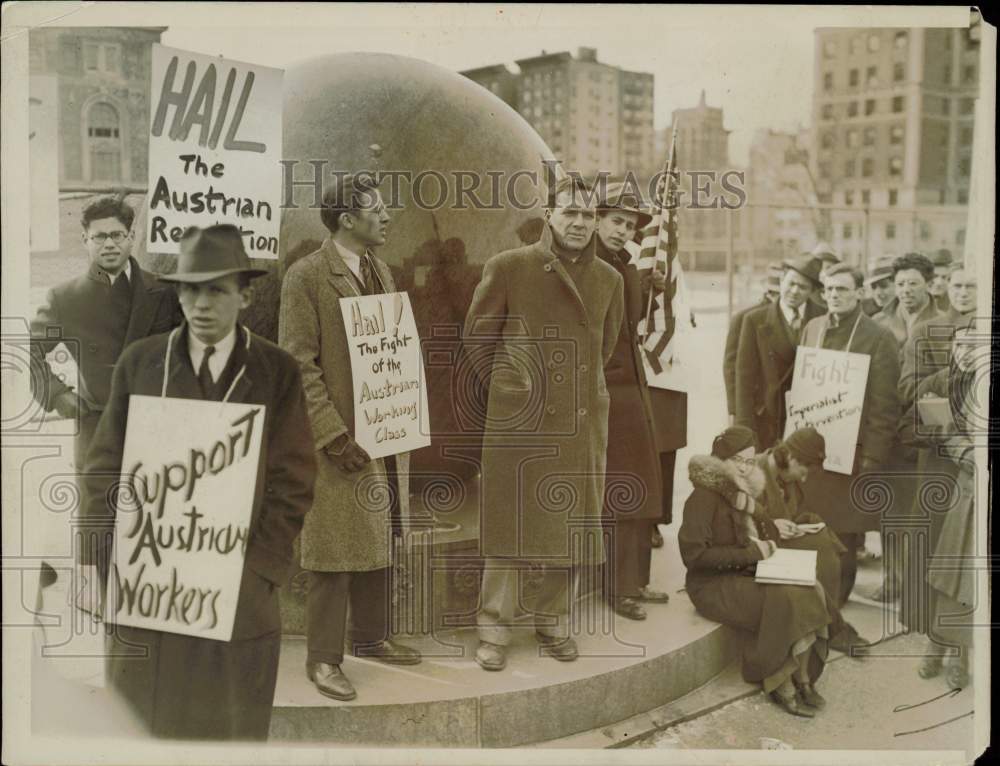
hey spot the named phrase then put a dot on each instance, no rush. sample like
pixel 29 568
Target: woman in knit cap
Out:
pixel 721 539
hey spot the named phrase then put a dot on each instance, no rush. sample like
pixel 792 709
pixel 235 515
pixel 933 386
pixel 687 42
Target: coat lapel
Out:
pixel 552 264
pixel 182 383
pixel 145 301
pixel 340 274
pixel 778 334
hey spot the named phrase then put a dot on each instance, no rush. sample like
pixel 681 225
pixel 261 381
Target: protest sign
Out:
pixel 828 392
pixel 189 473
pixel 390 393
pixel 214 150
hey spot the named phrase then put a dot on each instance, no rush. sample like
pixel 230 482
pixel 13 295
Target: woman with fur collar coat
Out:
pixel 722 537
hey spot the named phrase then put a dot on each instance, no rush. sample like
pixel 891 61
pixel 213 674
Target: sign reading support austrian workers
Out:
pixel 828 393
pixel 214 150
pixel 189 472
pixel 390 395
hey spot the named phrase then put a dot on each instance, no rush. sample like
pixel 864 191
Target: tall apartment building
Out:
pixel 893 118
pixel 593 116
pixel 103 76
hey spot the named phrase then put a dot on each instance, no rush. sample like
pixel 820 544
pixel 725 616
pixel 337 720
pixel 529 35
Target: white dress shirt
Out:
pixel 217 361
pixel 353 261
pixel 792 314
pixel 127 271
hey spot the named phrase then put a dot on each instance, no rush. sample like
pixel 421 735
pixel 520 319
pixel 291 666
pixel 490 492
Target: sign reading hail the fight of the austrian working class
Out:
pixel 189 472
pixel 390 390
pixel 214 150
pixel 828 393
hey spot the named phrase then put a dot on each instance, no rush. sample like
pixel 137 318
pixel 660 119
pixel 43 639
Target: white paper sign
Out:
pixel 43 161
pixel 189 472
pixel 390 392
pixel 828 392
pixel 214 150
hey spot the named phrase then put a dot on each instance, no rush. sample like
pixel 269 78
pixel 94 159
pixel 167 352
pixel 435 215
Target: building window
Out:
pixel 829 49
pixel 869 138
pixel 893 197
pixel 899 41
pixel 869 107
pixel 896 133
pixel 828 140
pixel 967 106
pixel 856 44
pixel 849 169
pixel 965 136
pixel 963 196
pixel 866 197
pixel 897 104
pixel 824 170
pixel 104 139
pixel 848 231
pixel 848 197
pixel 828 81
pixel 874 41
pixel 960 237
pixel 890 230
pixel 925 230
pixel 871 77
pixel 102 57
pixel 946 74
pixel 852 109
pixel 867 167
pixel 852 139
pixel 965 167
pixel 827 112
pixel 895 166
pixel 853 78
pixel 898 72
pixel 969 74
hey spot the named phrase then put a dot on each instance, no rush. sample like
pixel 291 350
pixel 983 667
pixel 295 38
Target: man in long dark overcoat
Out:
pixel 544 321
pixel 833 495
pixel 346 540
pixel 632 502
pixel 765 357
pixel 772 287
pixel 183 686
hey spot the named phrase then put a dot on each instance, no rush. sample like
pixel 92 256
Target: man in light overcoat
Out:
pixel 544 320
pixel 346 539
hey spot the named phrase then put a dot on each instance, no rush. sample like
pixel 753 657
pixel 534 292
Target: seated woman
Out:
pixel 785 467
pixel 720 542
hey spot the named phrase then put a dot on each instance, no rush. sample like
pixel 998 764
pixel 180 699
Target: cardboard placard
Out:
pixel 390 391
pixel 214 150
pixel 189 472
pixel 828 393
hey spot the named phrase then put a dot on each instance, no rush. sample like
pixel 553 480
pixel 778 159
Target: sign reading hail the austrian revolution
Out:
pixel 214 150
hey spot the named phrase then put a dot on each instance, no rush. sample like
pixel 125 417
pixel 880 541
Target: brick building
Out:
pixel 103 76
pixel 593 116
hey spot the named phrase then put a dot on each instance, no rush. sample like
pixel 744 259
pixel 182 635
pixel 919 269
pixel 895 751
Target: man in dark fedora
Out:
pixel 346 540
pixel 184 686
pixel 765 357
pixel 828 259
pixel 632 459
pixel 96 315
pixel 938 287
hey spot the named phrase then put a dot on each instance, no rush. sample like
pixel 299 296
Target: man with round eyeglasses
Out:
pixel 95 316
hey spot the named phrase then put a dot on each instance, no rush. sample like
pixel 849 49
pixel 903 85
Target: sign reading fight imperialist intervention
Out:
pixel 828 392
pixel 189 471
pixel 214 150
pixel 390 398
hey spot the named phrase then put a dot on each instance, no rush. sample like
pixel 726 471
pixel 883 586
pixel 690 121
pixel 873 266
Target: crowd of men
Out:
pixel 599 423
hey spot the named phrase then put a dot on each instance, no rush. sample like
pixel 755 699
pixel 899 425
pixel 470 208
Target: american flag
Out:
pixel 659 329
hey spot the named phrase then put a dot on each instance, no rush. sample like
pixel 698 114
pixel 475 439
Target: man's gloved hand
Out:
pixel 69 405
pixel 348 454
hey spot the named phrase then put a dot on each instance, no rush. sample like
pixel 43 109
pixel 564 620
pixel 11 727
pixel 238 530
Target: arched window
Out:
pixel 104 142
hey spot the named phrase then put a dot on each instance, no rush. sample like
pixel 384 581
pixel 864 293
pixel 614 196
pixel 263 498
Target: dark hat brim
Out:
pixel 642 221
pixel 874 279
pixel 816 282
pixel 208 276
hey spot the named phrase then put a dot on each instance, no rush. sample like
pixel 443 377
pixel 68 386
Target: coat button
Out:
pixel 582 411
pixel 551 410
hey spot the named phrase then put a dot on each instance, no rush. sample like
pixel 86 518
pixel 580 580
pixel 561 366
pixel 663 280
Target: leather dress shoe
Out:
pixel 807 693
pixel 653 596
pixel 791 705
pixel 628 607
pixel 330 681
pixel 562 649
pixel 848 641
pixel 657 539
pixel 491 656
pixel 386 651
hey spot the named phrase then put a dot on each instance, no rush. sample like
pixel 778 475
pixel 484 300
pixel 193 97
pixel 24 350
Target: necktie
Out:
pixel 366 276
pixel 205 375
pixel 121 292
pixel 796 325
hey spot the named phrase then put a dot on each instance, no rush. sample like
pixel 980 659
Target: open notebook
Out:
pixel 788 567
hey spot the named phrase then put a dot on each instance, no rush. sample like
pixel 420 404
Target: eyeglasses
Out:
pixel 116 236
pixel 744 461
